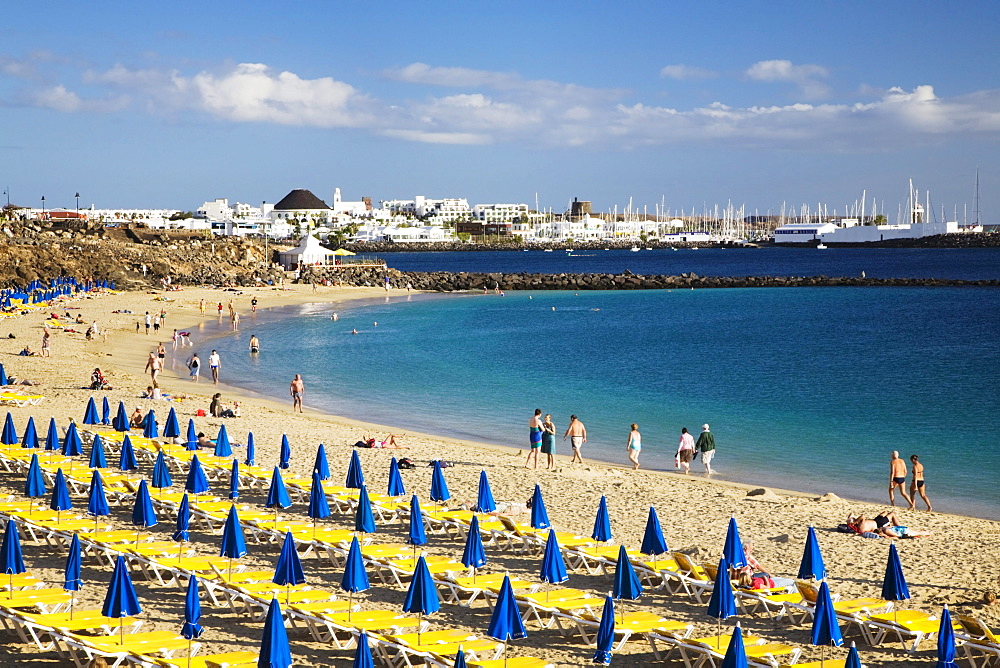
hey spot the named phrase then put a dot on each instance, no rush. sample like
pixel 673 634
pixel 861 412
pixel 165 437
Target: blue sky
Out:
pixel 690 103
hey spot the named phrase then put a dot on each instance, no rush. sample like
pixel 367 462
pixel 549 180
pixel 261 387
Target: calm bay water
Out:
pixel 804 388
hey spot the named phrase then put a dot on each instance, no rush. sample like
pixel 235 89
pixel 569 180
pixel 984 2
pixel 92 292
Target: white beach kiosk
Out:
pixel 309 253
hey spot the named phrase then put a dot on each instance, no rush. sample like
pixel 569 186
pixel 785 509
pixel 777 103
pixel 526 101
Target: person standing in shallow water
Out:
pixel 297 389
pixel 685 450
pixel 535 430
pixel 917 485
pixel 706 444
pixel 577 437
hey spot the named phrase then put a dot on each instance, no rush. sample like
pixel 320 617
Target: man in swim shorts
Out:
pixel 897 478
pixel 578 436
pixel 254 344
pixel 297 389
pixel 706 443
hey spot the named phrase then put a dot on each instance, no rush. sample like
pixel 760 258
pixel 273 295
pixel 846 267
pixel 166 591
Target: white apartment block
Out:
pixel 499 213
pixel 432 211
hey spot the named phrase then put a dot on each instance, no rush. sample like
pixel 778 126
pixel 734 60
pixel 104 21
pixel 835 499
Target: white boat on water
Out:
pixel 634 249
pixel 548 250
pixel 821 247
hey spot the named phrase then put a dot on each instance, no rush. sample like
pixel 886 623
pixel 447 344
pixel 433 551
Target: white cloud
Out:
pixel 806 77
pixel 682 72
pixel 66 101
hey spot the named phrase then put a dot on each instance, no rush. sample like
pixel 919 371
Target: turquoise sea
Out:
pixel 804 388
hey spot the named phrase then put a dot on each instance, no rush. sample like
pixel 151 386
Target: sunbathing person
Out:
pixel 135 420
pixel 884 524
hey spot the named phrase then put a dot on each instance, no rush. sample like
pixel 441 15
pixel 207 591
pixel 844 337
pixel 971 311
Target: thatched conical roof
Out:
pixel 300 200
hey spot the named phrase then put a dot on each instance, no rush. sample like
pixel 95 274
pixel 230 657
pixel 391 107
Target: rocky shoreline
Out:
pixel 443 281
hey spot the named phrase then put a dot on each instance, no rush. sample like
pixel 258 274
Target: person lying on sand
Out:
pixel 884 524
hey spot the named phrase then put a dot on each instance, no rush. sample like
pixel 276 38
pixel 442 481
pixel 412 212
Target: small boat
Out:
pixel 821 247
pixel 649 249
pixel 548 250
pixel 634 249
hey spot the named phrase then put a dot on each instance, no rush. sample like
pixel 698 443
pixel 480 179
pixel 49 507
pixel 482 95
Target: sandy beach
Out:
pixel 954 566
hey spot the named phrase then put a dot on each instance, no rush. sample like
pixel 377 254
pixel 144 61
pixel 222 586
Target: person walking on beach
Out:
pixel 46 341
pixel 174 338
pixel 214 362
pixel 685 450
pixel 253 305
pixel 706 444
pixel 236 321
pixel 917 484
pixel 534 437
pixel 149 322
pixel 634 446
pixel 201 306
pixel 154 365
pixel 297 389
pixel 254 344
pixel 897 478
pixel 549 442
pixel 577 437
pixel 194 366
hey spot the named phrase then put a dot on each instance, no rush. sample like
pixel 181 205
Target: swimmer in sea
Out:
pixel 254 344
pixel 354 331
pixel 334 316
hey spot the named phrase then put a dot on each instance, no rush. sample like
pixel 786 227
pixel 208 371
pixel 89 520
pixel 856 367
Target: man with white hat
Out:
pixel 706 444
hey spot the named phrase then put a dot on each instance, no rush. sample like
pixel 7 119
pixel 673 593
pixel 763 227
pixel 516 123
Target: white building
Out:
pixel 308 253
pixel 302 210
pixel 403 234
pixel 499 213
pixel 800 233
pixel 359 209
pixel 431 211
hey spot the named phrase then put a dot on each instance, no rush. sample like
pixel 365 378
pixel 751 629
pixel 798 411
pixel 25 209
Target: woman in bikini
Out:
pixel 917 484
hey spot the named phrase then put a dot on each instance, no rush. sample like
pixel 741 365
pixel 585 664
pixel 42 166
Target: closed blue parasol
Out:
pixel 484 499
pixel 234 544
pixel 120 423
pixel 288 570
pixel 319 507
pixel 182 528
pixel 736 653
pixel 149 426
pixel 60 494
pixel 321 466
pixel 11 558
pixel 894 584
pixel 286 453
pixel 853 658
pixel 653 543
pixel 277 493
pixel 363 653
pixel 460 661
pixel 422 596
pixel 364 520
pixel 98 460
pixel 439 487
pixel 192 436
pixel 251 450
pixel 161 472
pixel 52 437
pixel 946 642
pixel 539 516
pixel 121 601
pixel 106 412
pixel 474 555
pixel 602 523
pixel 626 583
pixel 722 605
pixel 126 456
pixel 34 485
pixel 97 502
pixel 72 580
pixel 3 375
pixel 30 437
pixel 505 622
pixel 274 649
pixel 825 630
pixel 143 513
pixel 417 535
pixel 355 579
pixel 171 428
pixel 72 446
pixel 553 564
pixel 196 481
pixel 191 629
pixel 9 435
pixel 812 565
pixel 733 549
pixel 234 480
pixel 90 415
pixel 396 486
pixel 222 446
pixel 355 476
pixel 605 634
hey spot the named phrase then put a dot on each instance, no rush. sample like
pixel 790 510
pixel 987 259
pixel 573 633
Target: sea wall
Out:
pixel 443 281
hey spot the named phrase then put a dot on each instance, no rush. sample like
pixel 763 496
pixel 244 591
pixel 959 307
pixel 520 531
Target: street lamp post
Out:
pixel 77 196
pixel 43 207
